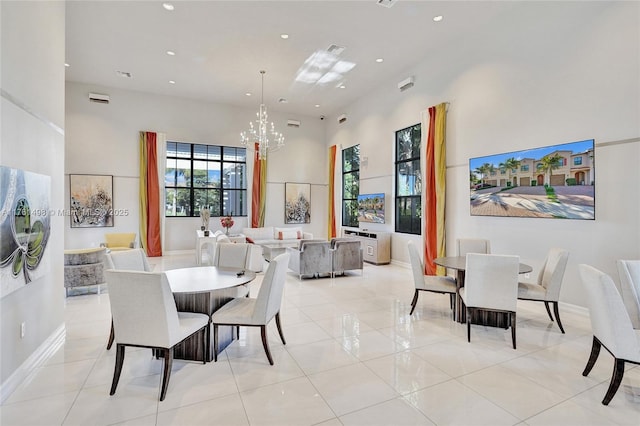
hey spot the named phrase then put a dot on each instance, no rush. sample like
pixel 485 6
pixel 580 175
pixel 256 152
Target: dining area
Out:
pixel 486 288
pixel 342 336
pixel 189 313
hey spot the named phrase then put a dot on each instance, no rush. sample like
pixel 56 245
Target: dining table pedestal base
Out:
pixel 206 303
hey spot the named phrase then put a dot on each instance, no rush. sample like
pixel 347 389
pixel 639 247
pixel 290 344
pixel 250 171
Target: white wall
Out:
pixel 553 78
pixel 32 119
pixel 103 139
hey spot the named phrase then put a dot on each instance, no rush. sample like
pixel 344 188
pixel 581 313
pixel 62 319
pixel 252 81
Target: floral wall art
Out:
pixel 91 201
pixel 24 228
pixel 297 204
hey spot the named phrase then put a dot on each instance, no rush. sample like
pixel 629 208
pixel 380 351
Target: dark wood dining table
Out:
pixel 205 289
pixel 459 264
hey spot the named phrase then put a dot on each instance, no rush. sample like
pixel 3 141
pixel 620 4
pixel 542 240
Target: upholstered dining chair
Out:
pixel 491 284
pixel 547 288
pixel 629 271
pixel 431 283
pixel 238 256
pixel 611 326
pixel 145 315
pixel 472 245
pixel 256 312
pixel 129 260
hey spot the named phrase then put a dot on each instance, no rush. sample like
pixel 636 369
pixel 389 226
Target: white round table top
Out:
pixel 203 279
pixel 460 263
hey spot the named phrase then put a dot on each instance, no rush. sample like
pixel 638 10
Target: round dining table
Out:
pixel 205 289
pixel 459 264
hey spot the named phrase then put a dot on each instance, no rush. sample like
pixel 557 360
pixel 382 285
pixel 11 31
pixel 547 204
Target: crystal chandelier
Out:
pixel 261 131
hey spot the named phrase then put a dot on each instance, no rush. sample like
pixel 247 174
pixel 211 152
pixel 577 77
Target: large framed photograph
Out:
pixel 91 203
pixel 297 202
pixel 556 181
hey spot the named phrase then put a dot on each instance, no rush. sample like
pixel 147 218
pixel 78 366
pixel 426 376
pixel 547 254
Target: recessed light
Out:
pixel 66 65
pixel 379 60
pixel 317 105
pixel 172 82
pixel 342 86
pixel 167 6
pixel 171 53
pixel 438 18
pixel 247 94
pixel 284 36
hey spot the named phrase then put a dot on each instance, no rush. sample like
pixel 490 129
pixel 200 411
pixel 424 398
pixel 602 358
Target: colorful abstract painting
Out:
pixel 24 228
pixel 91 201
pixel 297 203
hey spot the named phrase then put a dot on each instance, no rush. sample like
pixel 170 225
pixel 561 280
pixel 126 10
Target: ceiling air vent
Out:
pixel 293 123
pixel 405 84
pixel 335 49
pixel 387 3
pixel 342 118
pixel 99 98
pixel 124 74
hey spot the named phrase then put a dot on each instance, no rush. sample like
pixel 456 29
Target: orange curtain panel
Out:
pixel 149 195
pixel 258 190
pixel 434 190
pixel 332 187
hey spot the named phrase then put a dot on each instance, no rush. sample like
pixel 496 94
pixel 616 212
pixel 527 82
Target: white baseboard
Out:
pixel 45 351
pixel 575 309
pixel 178 252
pixel 401 264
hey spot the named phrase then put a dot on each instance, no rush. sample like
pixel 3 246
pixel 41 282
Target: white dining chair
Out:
pixel 472 245
pixel 491 284
pixel 547 287
pixel 256 312
pixel 629 272
pixel 611 326
pixel 430 283
pixel 129 260
pixel 145 315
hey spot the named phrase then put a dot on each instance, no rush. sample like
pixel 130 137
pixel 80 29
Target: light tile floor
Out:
pixel 353 356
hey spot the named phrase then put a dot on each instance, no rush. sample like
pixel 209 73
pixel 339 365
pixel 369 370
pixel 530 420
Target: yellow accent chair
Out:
pixel 120 241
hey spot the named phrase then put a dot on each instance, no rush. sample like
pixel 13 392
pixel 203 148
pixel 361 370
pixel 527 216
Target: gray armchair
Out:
pixel 311 258
pixel 347 255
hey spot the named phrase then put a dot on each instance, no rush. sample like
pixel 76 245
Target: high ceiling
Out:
pixel 220 46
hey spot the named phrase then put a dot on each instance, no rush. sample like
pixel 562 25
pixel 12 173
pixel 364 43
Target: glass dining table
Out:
pixel 459 264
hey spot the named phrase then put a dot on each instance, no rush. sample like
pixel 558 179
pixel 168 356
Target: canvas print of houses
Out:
pixel 552 182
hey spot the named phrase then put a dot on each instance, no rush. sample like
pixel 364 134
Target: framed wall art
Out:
pixel 297 202
pixel 25 227
pixel 555 181
pixel 91 203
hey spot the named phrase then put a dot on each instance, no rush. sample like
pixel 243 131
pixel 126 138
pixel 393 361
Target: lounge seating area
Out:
pixel 317 258
pixel 275 235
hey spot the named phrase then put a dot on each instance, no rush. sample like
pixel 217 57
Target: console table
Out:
pixel 376 246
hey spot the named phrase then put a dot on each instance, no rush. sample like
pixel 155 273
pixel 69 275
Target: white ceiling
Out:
pixel 222 45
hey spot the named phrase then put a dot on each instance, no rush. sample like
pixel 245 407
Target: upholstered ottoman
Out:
pixel 84 267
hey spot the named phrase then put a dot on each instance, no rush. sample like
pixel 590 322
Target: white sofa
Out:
pixel 273 235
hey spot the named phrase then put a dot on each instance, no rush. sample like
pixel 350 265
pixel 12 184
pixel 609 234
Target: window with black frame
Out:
pixel 408 180
pixel 350 185
pixel 199 176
